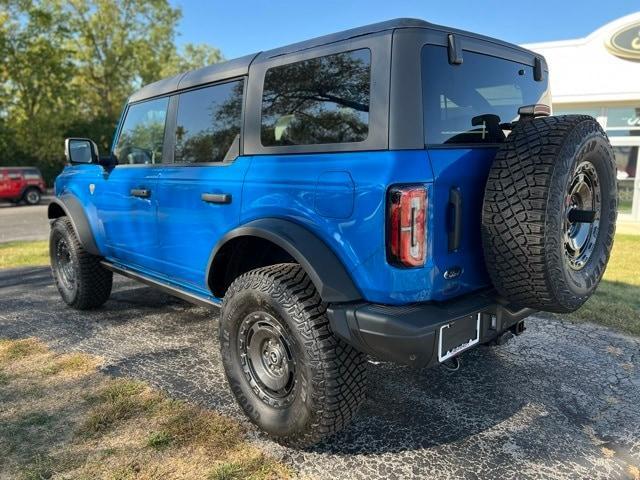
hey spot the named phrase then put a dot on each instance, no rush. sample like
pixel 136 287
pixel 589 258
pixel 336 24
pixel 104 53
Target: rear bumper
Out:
pixel 409 334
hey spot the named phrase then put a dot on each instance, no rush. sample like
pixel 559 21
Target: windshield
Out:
pixel 465 104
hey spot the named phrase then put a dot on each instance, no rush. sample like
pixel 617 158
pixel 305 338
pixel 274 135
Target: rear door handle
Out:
pixel 223 198
pixel 140 192
pixel 455 219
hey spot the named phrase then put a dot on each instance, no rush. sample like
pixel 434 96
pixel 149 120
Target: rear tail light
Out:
pixel 406 225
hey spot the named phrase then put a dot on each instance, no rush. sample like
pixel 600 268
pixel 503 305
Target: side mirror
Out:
pixel 81 150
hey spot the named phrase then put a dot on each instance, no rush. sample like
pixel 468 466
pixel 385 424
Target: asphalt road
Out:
pixel 24 222
pixel 561 401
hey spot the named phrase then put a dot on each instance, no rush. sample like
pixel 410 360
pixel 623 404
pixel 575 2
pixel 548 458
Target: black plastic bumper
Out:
pixel 409 334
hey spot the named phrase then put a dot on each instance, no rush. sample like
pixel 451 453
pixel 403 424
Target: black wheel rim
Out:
pixel 582 215
pixel 64 264
pixel 266 355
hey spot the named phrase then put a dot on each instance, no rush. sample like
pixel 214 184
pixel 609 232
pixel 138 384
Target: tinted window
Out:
pixel 142 135
pixel 466 103
pixel 208 122
pixel 31 174
pixel 321 100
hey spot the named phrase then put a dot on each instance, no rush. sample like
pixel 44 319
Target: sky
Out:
pixel 242 27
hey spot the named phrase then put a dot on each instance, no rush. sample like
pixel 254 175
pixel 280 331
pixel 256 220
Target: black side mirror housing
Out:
pixel 108 161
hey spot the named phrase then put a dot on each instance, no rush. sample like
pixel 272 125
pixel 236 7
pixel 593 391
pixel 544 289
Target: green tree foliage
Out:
pixel 68 66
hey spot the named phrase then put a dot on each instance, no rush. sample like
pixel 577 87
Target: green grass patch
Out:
pixel 75 362
pixel 119 400
pixel 159 440
pixel 616 302
pixel 24 254
pixel 62 418
pixel 17 349
pixel 228 471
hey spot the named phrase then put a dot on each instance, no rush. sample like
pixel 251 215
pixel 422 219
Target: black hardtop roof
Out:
pixel 240 66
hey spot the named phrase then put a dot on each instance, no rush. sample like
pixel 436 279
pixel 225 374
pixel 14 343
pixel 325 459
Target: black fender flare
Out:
pixel 326 271
pixel 68 205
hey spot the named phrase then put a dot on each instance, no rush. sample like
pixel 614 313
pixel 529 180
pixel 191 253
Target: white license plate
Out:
pixel 458 336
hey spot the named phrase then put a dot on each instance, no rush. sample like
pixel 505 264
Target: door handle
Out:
pixel 455 219
pixel 140 192
pixel 223 198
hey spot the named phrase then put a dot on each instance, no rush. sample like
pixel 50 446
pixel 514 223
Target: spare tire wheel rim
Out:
pixel 582 215
pixel 267 359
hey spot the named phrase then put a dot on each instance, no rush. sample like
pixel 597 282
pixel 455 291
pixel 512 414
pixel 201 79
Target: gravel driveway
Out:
pixel 561 401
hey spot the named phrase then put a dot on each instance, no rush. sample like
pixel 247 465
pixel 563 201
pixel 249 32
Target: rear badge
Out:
pixel 453 272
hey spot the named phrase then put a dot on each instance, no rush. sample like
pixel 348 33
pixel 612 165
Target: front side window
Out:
pixel 467 103
pixel 317 101
pixel 208 122
pixel 142 135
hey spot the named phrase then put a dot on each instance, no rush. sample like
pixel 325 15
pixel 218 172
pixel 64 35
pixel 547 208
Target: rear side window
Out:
pixel 465 104
pixel 142 135
pixel 31 174
pixel 317 101
pixel 208 122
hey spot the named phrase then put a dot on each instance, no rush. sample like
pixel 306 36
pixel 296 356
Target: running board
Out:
pixel 171 290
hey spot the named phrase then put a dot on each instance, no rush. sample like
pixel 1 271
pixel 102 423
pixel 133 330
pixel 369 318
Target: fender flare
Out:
pixel 72 208
pixel 326 271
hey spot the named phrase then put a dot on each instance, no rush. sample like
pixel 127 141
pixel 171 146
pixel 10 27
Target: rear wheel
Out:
pixel 289 373
pixel 82 282
pixel 32 196
pixel 549 212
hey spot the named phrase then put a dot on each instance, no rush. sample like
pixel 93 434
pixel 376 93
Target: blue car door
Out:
pixel 125 197
pixel 199 194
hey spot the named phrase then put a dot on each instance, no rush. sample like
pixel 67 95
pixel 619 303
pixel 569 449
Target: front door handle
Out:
pixel 141 192
pixel 223 198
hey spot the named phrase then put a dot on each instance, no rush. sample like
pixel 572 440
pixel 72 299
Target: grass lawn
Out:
pixel 616 303
pixel 24 254
pixel 61 418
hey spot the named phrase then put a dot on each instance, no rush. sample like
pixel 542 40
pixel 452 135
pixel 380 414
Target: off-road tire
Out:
pixel 525 210
pixel 92 283
pixel 330 376
pixel 32 196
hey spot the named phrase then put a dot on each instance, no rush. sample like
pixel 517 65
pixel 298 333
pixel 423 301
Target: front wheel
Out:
pixel 289 373
pixel 82 282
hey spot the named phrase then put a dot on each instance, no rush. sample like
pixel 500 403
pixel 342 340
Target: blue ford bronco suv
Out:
pixel 398 191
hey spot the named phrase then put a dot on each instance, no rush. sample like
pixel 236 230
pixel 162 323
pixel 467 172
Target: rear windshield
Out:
pixel 465 104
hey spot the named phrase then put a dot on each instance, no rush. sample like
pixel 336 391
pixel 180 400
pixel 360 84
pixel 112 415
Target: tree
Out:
pixel 193 57
pixel 36 74
pixel 68 66
pixel 118 46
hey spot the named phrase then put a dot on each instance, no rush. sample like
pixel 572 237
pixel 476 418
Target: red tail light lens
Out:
pixel 406 217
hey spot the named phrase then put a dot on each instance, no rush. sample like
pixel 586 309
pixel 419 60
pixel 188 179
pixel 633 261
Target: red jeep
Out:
pixel 21 183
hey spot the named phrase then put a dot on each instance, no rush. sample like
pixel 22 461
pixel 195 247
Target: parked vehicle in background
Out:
pixel 21 184
pixel 398 190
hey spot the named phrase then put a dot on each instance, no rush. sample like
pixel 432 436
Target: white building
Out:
pixel 600 75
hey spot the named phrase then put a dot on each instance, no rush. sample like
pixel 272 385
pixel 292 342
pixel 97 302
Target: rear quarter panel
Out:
pixel 313 191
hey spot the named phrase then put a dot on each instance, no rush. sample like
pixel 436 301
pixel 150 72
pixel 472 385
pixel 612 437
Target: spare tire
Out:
pixel 549 212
